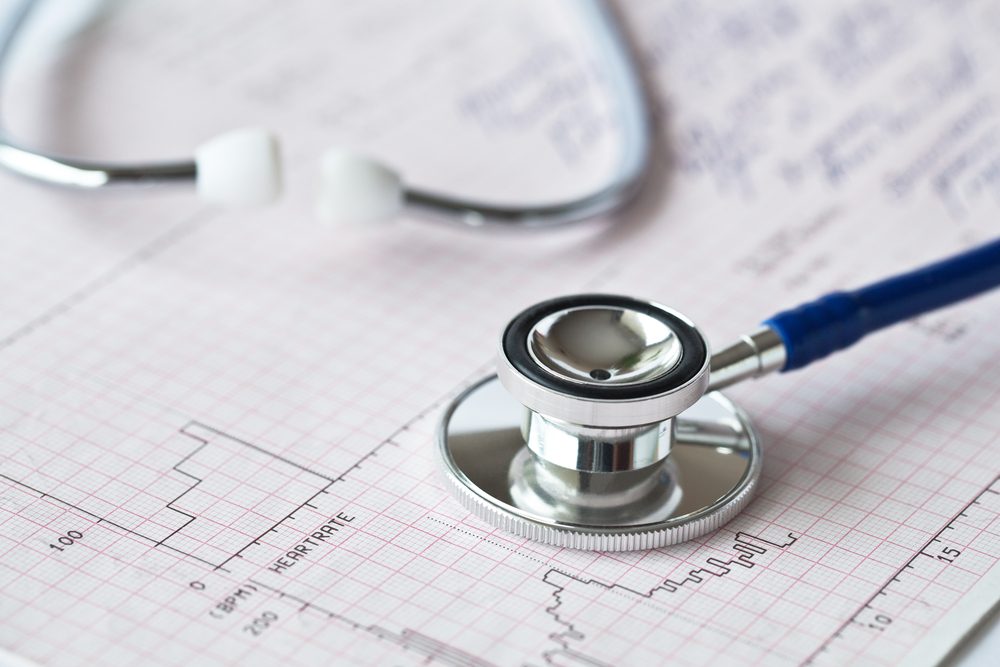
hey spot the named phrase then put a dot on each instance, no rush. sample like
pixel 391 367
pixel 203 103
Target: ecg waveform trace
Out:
pixel 813 147
pixel 218 473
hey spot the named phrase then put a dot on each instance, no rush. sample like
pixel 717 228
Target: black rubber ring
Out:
pixel 515 347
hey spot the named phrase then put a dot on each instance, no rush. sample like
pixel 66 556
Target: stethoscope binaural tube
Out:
pixel 242 167
pixel 603 429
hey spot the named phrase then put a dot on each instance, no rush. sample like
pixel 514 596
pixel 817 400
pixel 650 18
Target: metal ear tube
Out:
pixel 242 167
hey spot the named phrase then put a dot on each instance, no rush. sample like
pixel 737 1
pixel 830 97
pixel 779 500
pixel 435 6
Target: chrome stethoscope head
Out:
pixel 596 432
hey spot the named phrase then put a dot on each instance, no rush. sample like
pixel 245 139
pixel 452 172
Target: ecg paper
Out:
pixel 217 428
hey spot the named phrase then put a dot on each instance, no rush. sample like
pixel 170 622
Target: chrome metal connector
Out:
pixel 753 355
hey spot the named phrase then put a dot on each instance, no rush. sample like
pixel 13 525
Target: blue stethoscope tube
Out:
pixel 838 320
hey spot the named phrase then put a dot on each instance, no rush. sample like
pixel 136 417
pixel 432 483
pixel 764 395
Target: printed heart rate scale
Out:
pixel 924 588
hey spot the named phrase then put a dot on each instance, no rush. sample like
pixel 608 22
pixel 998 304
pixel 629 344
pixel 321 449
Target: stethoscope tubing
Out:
pixel 838 320
pixel 627 93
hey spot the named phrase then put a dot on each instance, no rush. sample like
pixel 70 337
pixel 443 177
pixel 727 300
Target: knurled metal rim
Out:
pixel 627 540
pixel 630 538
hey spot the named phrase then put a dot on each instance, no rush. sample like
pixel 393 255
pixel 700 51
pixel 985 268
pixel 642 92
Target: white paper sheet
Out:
pixel 188 395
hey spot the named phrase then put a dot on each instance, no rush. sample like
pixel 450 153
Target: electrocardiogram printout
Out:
pixel 216 427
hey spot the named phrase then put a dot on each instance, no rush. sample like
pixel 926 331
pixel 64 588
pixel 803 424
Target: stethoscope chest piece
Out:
pixel 596 433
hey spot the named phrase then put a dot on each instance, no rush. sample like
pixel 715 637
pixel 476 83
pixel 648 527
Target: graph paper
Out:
pixel 216 427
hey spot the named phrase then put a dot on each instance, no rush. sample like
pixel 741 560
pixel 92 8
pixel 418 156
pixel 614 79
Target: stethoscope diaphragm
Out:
pixel 596 433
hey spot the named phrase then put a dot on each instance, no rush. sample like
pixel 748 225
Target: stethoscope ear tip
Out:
pixel 242 168
pixel 239 168
pixel 357 189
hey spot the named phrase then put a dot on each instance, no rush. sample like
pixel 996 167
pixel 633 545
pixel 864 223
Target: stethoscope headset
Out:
pixel 243 167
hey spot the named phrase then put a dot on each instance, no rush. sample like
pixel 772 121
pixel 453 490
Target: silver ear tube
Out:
pixel 620 70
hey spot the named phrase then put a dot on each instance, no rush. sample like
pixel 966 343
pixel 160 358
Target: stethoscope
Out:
pixel 603 428
pixel 243 167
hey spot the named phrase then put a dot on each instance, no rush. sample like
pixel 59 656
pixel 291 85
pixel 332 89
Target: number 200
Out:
pixel 261 623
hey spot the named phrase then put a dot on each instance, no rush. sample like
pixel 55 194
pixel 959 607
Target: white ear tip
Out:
pixel 355 188
pixel 239 168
